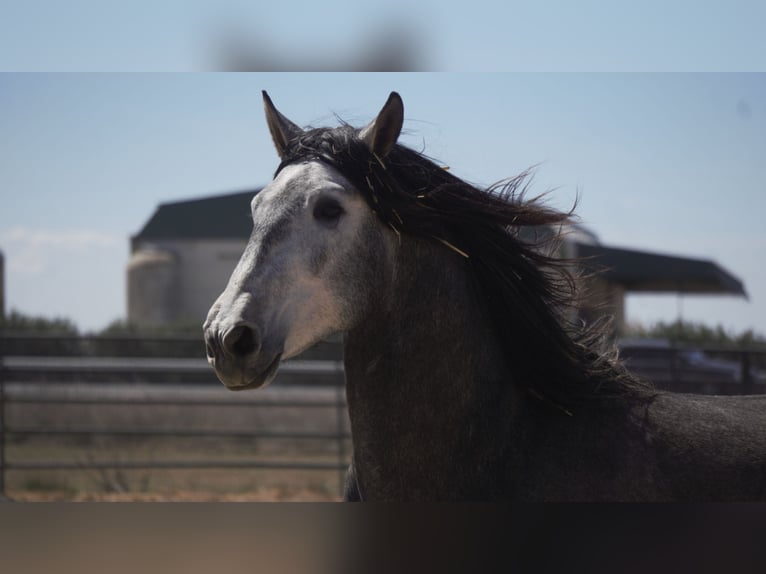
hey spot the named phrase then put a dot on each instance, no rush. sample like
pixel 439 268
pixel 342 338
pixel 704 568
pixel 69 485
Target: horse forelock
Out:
pixel 528 288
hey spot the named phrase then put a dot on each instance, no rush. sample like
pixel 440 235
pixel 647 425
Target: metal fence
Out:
pixel 50 388
pixel 700 370
pixel 156 389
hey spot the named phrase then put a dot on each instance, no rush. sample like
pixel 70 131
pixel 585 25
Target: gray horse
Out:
pixel 465 378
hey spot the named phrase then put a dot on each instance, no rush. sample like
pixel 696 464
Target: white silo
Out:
pixel 153 287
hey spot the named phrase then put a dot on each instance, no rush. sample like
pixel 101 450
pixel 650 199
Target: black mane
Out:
pixel 529 290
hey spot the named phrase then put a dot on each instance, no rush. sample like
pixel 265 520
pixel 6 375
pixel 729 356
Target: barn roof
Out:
pixel 216 217
pixel 641 271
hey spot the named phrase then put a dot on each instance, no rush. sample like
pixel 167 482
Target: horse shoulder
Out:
pixel 708 447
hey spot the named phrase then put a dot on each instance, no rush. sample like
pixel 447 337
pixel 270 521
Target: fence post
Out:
pixel 2 414
pixel 746 375
pixel 339 412
pixel 674 371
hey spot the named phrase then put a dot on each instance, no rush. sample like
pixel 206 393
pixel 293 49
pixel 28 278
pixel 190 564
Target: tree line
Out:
pixel 678 331
pixel 18 322
pixel 695 333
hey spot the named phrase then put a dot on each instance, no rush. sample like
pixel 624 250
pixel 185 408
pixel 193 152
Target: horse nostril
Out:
pixel 210 345
pixel 240 341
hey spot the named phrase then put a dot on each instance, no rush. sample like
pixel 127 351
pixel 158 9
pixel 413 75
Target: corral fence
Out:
pixel 111 406
pixel 702 370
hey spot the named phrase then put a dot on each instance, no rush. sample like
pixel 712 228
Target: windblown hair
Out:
pixel 528 290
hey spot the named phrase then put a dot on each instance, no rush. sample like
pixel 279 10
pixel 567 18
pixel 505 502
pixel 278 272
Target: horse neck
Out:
pixel 427 383
pixel 428 326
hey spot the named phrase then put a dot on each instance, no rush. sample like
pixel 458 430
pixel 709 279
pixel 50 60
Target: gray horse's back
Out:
pixel 709 447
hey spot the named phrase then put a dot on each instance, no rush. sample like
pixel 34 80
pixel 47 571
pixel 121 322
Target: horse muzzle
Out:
pixel 238 355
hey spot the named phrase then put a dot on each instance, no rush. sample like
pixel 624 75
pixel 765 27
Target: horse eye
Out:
pixel 328 211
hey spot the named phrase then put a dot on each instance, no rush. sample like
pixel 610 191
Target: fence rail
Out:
pixel 330 401
pixel 37 393
pixel 700 370
pixel 59 388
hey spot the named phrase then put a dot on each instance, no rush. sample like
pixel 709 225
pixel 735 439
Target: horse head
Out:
pixel 312 262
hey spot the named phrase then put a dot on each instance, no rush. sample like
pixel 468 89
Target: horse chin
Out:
pixel 249 377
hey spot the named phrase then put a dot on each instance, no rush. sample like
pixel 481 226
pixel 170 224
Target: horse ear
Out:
pixel 381 134
pixel 282 130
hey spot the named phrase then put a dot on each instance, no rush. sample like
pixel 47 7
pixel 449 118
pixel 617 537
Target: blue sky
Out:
pixel 674 163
